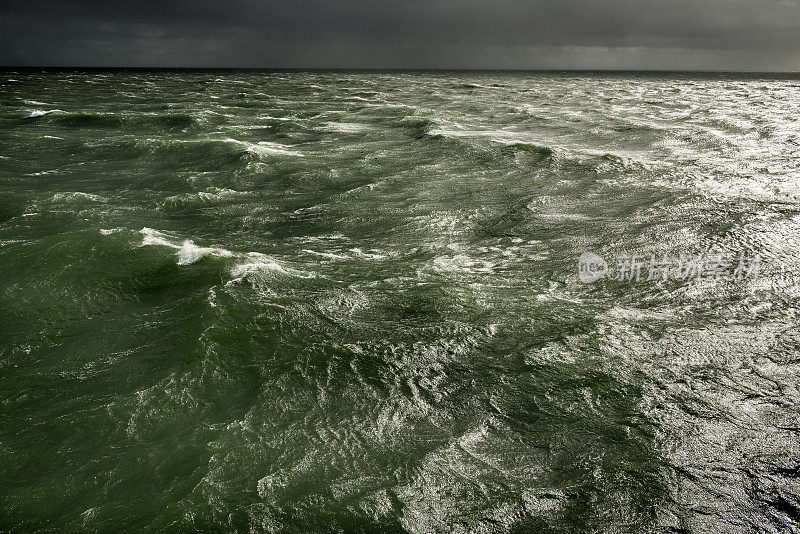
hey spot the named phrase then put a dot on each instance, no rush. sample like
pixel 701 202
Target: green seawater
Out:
pixel 349 302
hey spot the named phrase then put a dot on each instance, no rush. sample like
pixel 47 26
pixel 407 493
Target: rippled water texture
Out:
pixel 331 302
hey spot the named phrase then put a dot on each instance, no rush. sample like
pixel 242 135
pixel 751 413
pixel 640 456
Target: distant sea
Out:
pixel 243 301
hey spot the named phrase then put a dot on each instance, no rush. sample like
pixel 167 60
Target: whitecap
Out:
pixel 461 263
pixel 564 216
pixel 109 231
pixel 344 127
pixel 189 253
pixel 77 195
pixel 211 194
pixel 330 255
pixel 271 118
pixel 154 237
pixel 257 263
pixel 266 148
pixel 40 113
pixel 319 238
pixel 367 255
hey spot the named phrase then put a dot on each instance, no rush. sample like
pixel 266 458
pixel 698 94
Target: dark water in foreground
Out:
pixel 330 302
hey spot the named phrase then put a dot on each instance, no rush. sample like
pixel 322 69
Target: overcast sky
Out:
pixel 517 34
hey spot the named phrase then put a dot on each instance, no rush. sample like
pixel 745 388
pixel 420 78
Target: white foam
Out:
pixel 189 253
pixel 367 255
pixel 461 263
pixel 344 127
pixel 211 194
pixel 154 237
pixel 257 263
pixel 354 253
pixel 216 193
pixel 564 216
pixel 266 148
pixel 40 113
pixel 330 255
pixel 320 238
pixel 271 118
pixel 109 231
pixel 74 195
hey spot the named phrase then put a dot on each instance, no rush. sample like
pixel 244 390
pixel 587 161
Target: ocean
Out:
pixel 244 301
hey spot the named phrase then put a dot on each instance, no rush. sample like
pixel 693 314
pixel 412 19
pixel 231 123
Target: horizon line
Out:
pixel 393 69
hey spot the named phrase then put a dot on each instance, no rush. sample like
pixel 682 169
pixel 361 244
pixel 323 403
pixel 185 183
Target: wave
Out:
pixel 209 196
pixel 190 253
pixel 40 113
pixel 590 163
pixel 187 252
pixel 353 253
pixel 329 255
pixel 88 120
pixel 200 155
pixel 256 263
pixel 77 195
pixel 159 121
pixel 344 127
pixel 418 127
pixel 487 146
pixel 175 120
pixel 284 129
pixel 247 264
pixel 461 264
pixel 368 255
pixel 391 119
pixel 522 147
pixel 266 148
pixel 458 133
pixel 469 86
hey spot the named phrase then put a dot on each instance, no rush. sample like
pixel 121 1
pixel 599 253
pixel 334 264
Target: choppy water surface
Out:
pixel 330 302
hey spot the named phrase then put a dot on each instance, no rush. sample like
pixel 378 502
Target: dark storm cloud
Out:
pixel 723 34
